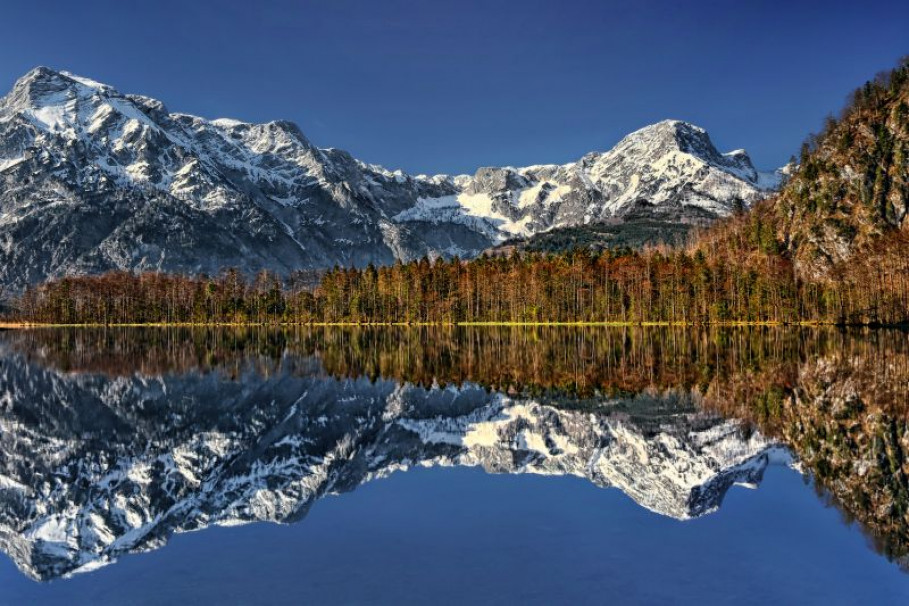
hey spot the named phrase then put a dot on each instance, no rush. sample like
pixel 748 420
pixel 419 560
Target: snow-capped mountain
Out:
pixel 660 168
pixel 92 179
pixel 93 467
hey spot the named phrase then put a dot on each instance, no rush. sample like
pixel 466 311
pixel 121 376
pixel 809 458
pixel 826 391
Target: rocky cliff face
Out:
pixel 94 467
pixel 92 180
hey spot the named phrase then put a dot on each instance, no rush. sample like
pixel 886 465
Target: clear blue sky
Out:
pixel 449 85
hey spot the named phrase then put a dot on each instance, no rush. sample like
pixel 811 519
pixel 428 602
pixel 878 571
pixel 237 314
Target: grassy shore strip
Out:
pixel 23 325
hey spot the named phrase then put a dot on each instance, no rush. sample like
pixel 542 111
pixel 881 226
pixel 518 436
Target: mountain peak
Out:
pixel 38 82
pixel 39 73
pixel 43 78
pixel 669 128
pixel 44 86
pixel 676 134
pixel 670 136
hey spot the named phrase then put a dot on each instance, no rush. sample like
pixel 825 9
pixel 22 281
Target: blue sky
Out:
pixel 446 86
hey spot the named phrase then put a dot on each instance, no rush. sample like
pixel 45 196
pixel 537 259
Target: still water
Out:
pixel 454 465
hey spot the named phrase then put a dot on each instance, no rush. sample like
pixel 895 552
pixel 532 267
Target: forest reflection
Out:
pixel 838 398
pixel 569 360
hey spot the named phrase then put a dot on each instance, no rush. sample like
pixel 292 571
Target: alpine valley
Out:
pixel 93 180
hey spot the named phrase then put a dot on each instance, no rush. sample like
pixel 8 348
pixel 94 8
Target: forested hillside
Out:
pixel 850 197
pixel 639 228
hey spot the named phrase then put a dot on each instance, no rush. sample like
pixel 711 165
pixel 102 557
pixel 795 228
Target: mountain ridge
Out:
pixel 93 180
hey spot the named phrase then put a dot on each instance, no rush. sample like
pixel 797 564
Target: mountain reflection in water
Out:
pixel 114 439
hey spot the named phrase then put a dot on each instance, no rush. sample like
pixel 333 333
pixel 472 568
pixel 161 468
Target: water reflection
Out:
pixel 112 440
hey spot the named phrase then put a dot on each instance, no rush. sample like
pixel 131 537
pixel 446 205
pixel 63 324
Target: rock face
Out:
pixel 94 467
pixel 94 180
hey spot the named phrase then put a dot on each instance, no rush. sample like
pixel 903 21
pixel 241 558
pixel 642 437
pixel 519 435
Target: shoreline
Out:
pixel 666 324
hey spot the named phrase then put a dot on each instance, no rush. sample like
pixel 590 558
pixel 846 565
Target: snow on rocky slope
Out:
pixel 661 167
pixel 94 467
pixel 92 179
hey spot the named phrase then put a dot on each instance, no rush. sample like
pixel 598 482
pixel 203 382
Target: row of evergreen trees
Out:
pixel 736 273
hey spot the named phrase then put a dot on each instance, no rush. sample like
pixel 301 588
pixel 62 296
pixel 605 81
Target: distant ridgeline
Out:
pixel 838 399
pixel 831 247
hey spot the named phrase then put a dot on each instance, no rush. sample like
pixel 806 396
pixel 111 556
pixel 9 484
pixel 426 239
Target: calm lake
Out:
pixel 453 465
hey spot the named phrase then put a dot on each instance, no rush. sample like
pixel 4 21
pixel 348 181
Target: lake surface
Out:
pixel 482 465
